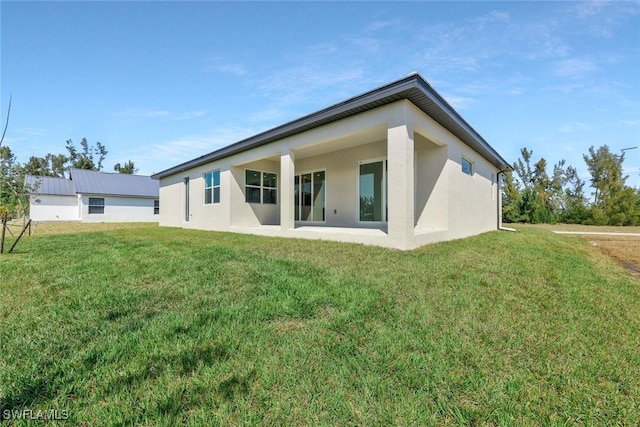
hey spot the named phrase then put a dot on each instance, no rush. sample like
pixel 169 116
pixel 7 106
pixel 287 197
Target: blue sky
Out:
pixel 163 82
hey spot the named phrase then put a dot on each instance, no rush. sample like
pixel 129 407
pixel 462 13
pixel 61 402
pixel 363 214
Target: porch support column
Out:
pixel 287 203
pixel 400 176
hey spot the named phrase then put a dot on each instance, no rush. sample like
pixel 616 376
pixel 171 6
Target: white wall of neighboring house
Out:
pixel 45 207
pixel 119 209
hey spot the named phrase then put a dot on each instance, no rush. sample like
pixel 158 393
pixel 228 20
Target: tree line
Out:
pixel 532 194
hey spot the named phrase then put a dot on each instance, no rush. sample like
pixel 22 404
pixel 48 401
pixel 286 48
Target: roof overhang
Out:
pixel 412 88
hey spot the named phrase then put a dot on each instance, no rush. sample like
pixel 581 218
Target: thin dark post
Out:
pixel 4 228
pixel 18 239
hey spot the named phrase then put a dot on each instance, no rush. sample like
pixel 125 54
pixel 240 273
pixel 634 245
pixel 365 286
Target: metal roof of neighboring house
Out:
pixel 49 185
pixel 93 182
pixel 115 184
pixel 413 88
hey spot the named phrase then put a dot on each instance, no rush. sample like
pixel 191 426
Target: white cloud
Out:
pixel 575 67
pixel 632 123
pixel 32 131
pixel 190 146
pixel 574 127
pixel 590 8
pixel 220 65
pixel 160 114
pixel 459 102
pixel 515 91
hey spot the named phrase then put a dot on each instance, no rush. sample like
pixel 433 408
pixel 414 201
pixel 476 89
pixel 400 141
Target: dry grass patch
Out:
pixel 69 227
pixel 624 249
pixel 582 228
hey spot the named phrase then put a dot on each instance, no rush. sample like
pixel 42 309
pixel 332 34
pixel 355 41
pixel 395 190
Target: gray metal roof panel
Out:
pixel 49 185
pixel 413 88
pixel 115 184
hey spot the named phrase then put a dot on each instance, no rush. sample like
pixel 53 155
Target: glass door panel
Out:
pixel 318 196
pixel 296 197
pixel 310 196
pixel 305 197
pixel 372 181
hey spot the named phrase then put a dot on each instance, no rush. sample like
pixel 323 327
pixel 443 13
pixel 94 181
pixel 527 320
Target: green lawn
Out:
pixel 159 326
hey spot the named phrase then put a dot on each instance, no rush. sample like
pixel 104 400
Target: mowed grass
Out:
pixel 158 326
pixel 623 244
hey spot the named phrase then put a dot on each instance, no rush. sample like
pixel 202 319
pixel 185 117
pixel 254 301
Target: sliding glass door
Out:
pixel 372 187
pixel 310 195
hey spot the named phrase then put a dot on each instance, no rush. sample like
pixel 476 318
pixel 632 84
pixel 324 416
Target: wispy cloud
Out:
pixel 459 102
pixel 574 127
pixel 32 131
pixel 602 18
pixel 160 114
pixel 184 148
pixel 575 67
pixel 221 65
pixel 632 123
pixel 589 8
pixel 190 146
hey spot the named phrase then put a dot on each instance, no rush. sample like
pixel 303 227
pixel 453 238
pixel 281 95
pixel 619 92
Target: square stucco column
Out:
pixel 287 177
pixel 400 177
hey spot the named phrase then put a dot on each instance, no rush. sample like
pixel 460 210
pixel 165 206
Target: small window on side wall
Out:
pixel 467 166
pixel 156 207
pixel 96 205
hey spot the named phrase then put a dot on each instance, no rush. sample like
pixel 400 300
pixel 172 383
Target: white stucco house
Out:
pixel 91 196
pixel 396 167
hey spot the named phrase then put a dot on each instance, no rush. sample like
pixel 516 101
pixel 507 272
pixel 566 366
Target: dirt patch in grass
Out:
pixel 66 227
pixel 625 250
pixel 582 228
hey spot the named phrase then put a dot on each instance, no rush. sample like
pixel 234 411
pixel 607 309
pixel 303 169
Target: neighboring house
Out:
pixel 91 196
pixel 396 167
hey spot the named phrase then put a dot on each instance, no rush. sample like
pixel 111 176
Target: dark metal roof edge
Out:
pixel 126 196
pixel 405 84
pixel 443 104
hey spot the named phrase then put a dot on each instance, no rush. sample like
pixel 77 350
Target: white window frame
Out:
pixel 385 184
pixel 212 188
pixel 262 187
pixel 299 176
pixel 156 207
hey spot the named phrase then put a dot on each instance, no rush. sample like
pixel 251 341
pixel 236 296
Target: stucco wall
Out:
pixel 119 209
pixel 432 184
pixel 472 202
pixel 54 208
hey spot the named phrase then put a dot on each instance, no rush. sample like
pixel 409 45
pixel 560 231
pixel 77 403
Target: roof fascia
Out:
pixel 402 87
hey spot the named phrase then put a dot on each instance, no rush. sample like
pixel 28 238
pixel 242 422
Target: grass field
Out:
pixel 623 244
pixel 157 326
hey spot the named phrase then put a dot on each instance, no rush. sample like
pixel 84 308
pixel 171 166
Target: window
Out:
pixel 212 187
pixel 186 198
pixel 156 207
pixel 261 187
pixel 467 166
pixel 96 205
